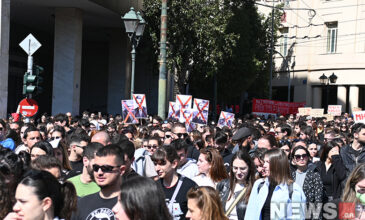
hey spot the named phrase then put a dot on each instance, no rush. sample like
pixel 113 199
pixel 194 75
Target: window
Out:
pixel 284 41
pixel 332 30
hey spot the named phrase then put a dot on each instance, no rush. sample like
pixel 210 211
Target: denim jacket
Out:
pixel 279 200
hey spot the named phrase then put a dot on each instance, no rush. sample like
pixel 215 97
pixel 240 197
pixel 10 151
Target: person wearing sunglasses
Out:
pixel 108 169
pixel 153 144
pixel 77 144
pixel 179 131
pixel 84 183
pixel 168 137
pixel 307 175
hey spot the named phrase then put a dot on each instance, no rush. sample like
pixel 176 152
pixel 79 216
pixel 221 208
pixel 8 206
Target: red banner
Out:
pixel 275 107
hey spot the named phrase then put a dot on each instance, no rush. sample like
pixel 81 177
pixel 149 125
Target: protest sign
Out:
pixel 359 117
pixel 317 112
pixel 172 112
pixel 201 106
pixel 334 110
pixel 266 106
pixel 127 112
pixel 225 119
pixel 304 111
pixel 188 114
pixel 329 117
pixel 356 109
pixel 182 102
pixel 140 106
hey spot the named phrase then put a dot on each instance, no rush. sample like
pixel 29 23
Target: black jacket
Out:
pixel 312 186
pixel 349 158
pixel 224 190
pixel 338 174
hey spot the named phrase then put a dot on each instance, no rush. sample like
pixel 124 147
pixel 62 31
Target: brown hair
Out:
pixel 250 178
pixel 208 201
pixel 217 171
pixel 279 167
pixel 349 193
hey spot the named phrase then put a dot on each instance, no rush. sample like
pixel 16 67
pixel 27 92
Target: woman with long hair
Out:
pixel 307 177
pixel 331 170
pixel 211 168
pixel 241 180
pixel 141 198
pixel 275 190
pixel 354 191
pixel 204 204
pixel 39 196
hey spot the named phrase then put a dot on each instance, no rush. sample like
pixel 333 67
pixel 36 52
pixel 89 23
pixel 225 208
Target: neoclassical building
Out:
pixel 321 37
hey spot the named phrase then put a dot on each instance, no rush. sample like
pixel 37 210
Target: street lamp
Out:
pixel 134 27
pixel 326 81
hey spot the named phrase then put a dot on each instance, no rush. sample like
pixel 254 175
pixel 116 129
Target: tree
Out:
pixel 205 37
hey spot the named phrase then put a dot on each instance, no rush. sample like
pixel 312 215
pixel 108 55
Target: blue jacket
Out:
pixel 280 198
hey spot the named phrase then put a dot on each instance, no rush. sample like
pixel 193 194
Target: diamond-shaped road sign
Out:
pixel 30 44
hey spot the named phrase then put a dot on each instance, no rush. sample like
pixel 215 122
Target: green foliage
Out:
pixel 206 37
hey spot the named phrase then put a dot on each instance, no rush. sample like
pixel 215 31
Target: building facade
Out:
pixel 320 37
pixel 85 54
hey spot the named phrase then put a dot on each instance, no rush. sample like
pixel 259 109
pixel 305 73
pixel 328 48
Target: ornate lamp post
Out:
pixel 326 81
pixel 134 27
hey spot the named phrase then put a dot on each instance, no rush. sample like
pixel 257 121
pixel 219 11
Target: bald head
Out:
pixel 101 137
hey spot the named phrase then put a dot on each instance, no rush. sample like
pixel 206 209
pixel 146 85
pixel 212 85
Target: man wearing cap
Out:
pixel 243 139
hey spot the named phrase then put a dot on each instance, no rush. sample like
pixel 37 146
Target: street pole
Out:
pixel 271 48
pixel 289 83
pixel 133 53
pixel 215 96
pixel 162 75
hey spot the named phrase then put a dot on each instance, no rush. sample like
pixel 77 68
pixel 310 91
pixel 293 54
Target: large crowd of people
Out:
pixel 98 167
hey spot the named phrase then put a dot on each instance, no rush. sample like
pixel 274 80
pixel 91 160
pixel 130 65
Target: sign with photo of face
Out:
pixel 127 112
pixel 140 106
pixel 201 107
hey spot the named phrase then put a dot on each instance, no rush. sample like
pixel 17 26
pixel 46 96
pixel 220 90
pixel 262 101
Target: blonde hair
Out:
pixel 208 201
pixel 349 193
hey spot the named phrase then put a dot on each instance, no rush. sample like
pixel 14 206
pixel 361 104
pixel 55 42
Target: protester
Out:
pixel 278 187
pixel 211 168
pixel 41 148
pixel 307 177
pixel 204 204
pixel 174 185
pixel 40 196
pixel 141 198
pixel 241 178
pixel 84 183
pixel 332 171
pixel 108 170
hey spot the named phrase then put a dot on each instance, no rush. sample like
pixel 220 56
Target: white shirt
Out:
pixel 203 180
pixel 233 215
pixel 190 169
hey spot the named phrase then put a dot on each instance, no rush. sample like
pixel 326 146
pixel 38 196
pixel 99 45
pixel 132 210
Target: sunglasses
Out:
pixel 167 136
pixel 104 168
pixel 152 146
pixel 182 134
pixel 301 156
pixel 53 138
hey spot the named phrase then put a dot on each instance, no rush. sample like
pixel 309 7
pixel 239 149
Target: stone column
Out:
pixel 118 58
pixel 354 97
pixel 4 55
pixel 317 97
pixel 67 61
pixel 341 97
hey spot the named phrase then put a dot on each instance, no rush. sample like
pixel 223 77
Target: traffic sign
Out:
pixel 30 44
pixel 28 107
